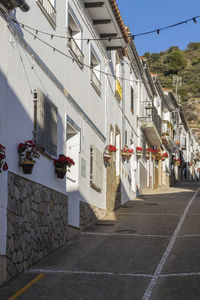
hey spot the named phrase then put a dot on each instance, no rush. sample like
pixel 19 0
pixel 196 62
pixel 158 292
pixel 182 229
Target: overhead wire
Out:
pixel 76 60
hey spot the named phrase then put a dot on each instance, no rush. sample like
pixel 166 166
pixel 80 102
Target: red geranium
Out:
pixel 127 150
pixel 111 148
pixel 27 151
pixel 63 161
pixel 165 155
pixel 139 149
pixel 149 150
pixel 3 164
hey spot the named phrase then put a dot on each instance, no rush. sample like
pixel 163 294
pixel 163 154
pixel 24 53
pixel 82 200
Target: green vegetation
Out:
pixel 185 64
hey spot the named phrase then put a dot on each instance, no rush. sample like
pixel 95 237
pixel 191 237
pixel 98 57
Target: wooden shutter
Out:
pixel 47 119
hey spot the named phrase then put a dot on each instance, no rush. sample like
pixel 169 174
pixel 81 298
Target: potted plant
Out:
pixel 139 151
pixel 109 149
pixel 3 164
pixel 148 153
pixel 126 153
pixel 61 165
pixel 164 156
pixel 177 162
pixel 27 152
pixel 154 153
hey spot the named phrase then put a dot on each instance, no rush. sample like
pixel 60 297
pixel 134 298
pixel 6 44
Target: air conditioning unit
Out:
pixel 11 4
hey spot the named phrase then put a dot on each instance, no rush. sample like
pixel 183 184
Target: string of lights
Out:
pixel 158 30
pixel 193 19
pixel 76 60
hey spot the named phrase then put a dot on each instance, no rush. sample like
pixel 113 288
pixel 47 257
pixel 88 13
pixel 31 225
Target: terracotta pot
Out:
pixel 60 172
pixel 27 166
pixel 138 154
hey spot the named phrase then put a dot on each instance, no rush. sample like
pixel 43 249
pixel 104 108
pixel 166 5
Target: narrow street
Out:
pixel 147 249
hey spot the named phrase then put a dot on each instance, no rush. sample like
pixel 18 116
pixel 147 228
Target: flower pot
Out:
pixel 125 155
pixel 138 154
pixel 106 158
pixel 147 156
pixel 60 172
pixel 27 166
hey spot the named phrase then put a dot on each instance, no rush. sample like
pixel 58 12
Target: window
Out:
pixel 48 8
pixel 132 100
pixel 95 74
pixel 75 36
pixel 96 169
pixel 45 124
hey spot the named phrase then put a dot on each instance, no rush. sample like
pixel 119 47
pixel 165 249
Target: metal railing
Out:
pixel 76 50
pixel 152 116
pixel 95 82
pixel 49 9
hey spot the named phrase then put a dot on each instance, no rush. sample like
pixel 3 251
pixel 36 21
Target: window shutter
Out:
pixel 96 170
pixel 47 118
pixel 132 99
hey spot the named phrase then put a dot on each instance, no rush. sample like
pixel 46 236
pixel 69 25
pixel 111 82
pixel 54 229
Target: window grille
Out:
pixel 46 124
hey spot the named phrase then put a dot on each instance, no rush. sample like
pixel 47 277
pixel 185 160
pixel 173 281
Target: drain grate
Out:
pixel 150 203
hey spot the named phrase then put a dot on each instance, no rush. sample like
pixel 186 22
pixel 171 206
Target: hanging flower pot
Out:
pixel 27 166
pixel 27 152
pixel 139 152
pixel 60 172
pixel 147 156
pixel 148 153
pixel 61 165
pixel 126 153
pixel 3 164
pixel 106 157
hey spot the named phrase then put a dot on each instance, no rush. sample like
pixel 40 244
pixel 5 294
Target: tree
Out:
pixel 175 61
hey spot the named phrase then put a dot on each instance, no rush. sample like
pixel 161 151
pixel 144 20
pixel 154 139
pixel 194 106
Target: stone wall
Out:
pixel 37 219
pixel 89 215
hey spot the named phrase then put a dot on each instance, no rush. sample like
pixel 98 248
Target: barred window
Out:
pixel 45 123
pixel 132 100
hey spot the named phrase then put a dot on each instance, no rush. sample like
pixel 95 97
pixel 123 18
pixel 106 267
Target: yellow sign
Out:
pixel 118 89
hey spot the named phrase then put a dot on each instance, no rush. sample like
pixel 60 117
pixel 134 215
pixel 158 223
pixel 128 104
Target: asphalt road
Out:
pixel 148 249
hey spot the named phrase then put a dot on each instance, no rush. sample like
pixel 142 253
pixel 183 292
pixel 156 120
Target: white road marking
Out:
pixel 50 271
pixel 148 214
pixel 124 234
pixel 188 236
pixel 162 262
pixel 180 274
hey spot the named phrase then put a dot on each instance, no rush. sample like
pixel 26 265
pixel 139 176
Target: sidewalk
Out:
pixel 121 257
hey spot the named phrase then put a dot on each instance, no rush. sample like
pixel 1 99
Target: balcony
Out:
pixel 118 90
pixel 167 135
pixel 49 11
pixel 76 51
pixel 151 124
pixel 95 82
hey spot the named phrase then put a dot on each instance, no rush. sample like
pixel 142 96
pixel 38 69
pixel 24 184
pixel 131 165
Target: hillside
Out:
pixel 186 65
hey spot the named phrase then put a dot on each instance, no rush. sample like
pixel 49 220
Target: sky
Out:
pixel 145 15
